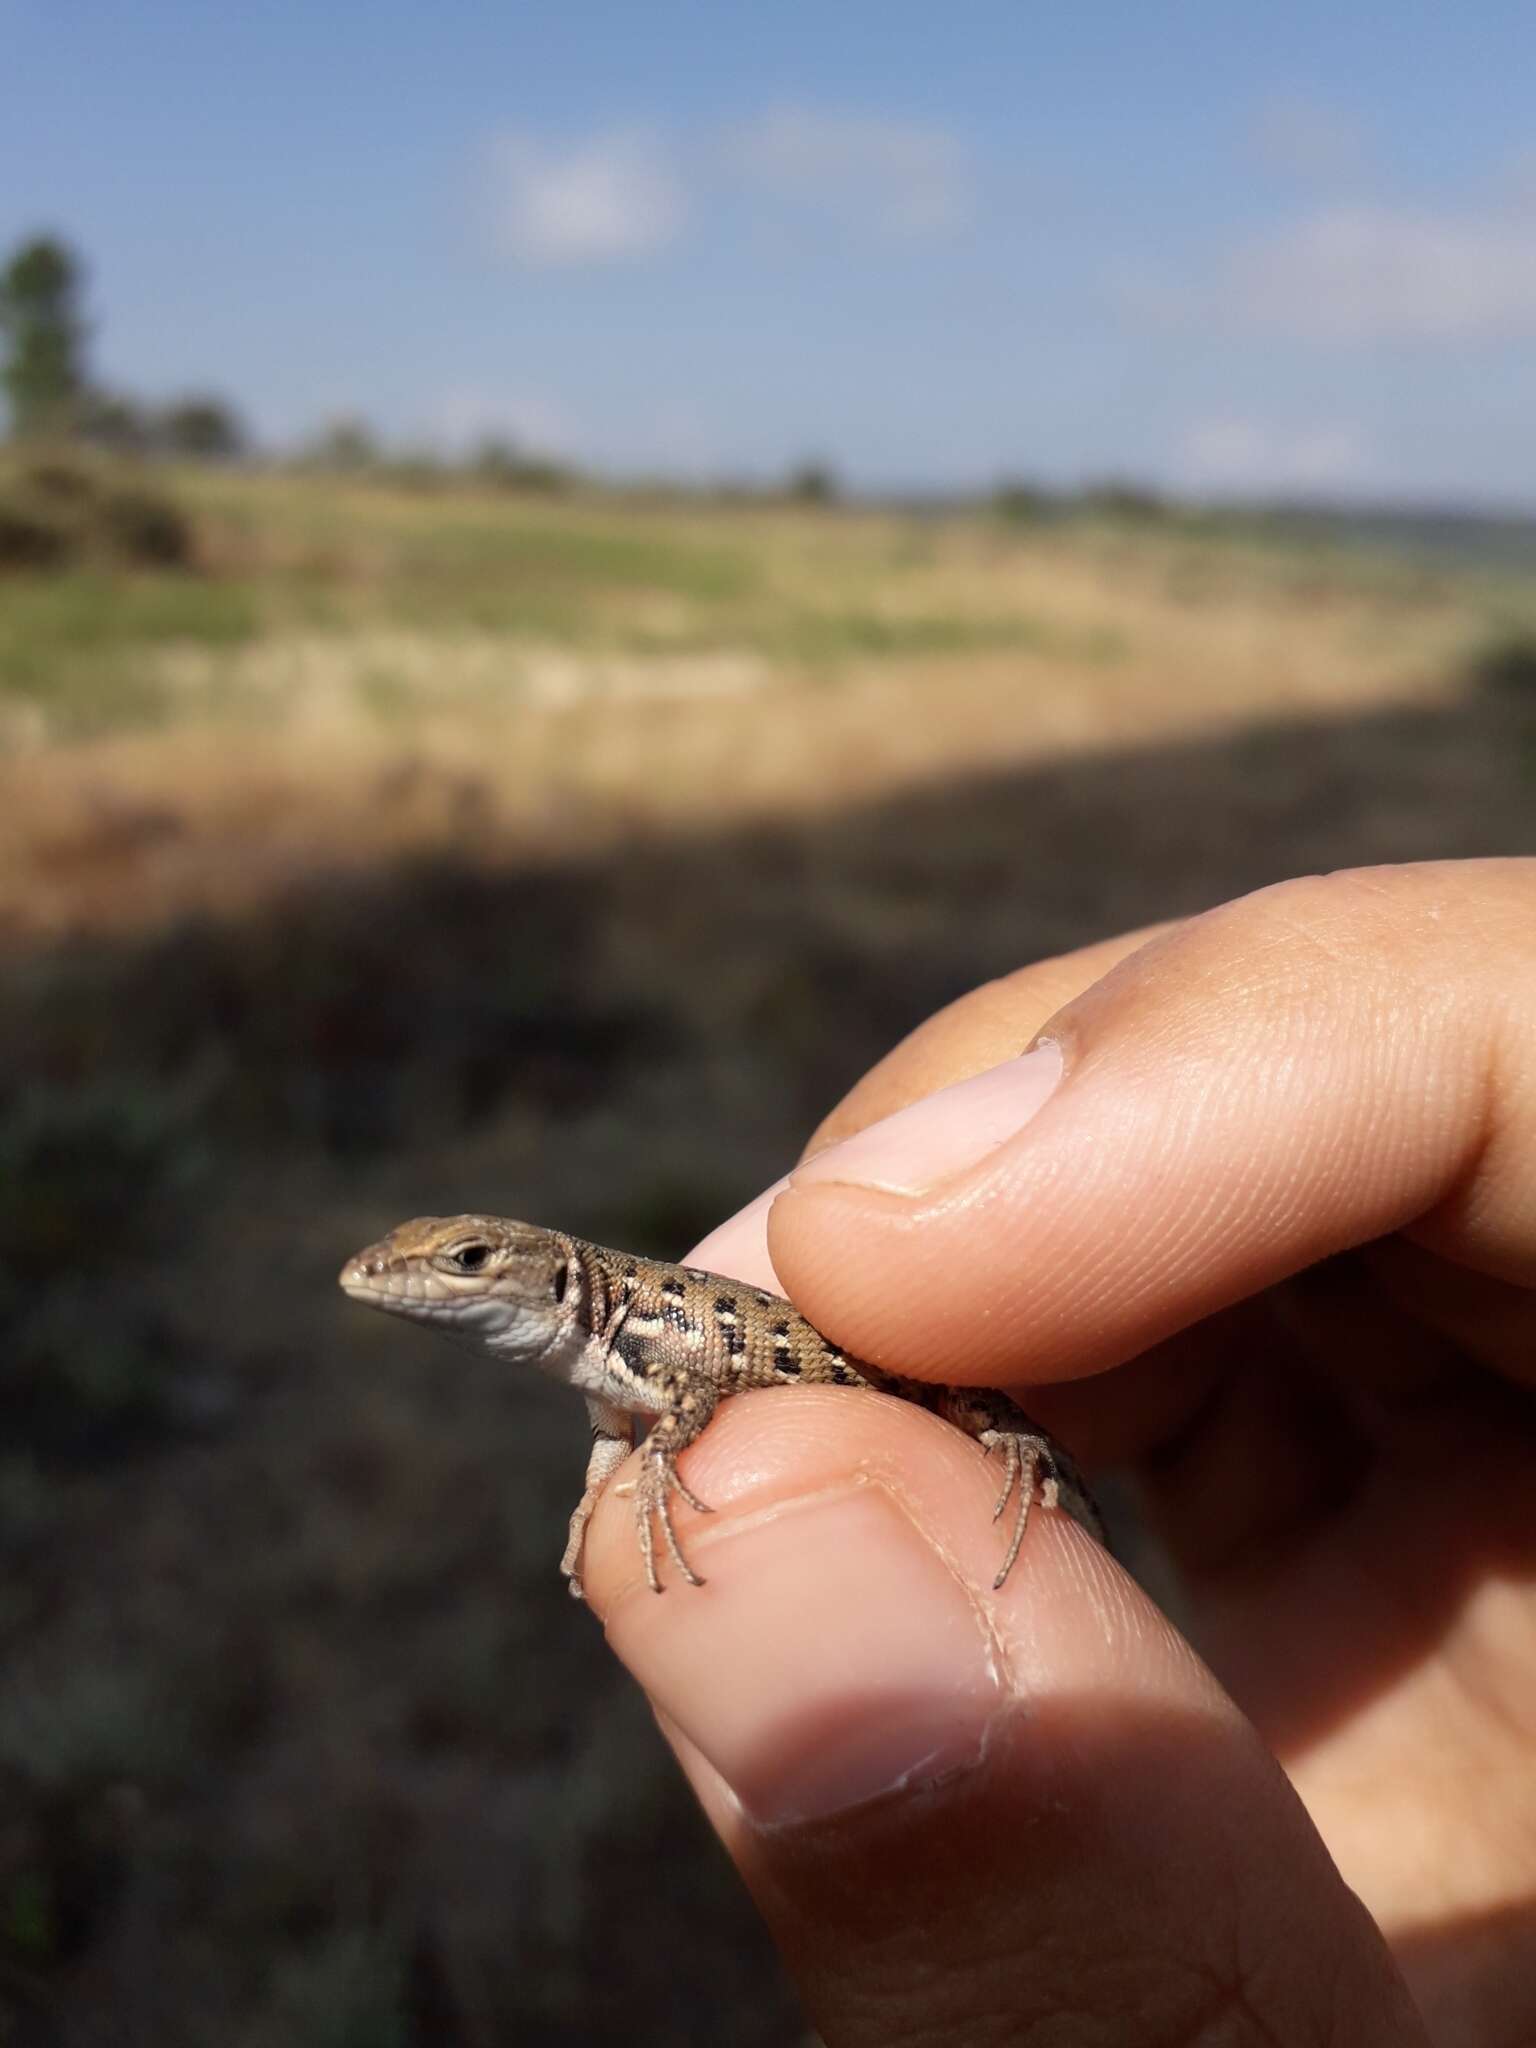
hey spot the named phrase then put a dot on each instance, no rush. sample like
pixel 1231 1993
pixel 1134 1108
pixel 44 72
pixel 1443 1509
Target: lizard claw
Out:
pixel 653 1492
pixel 1023 1457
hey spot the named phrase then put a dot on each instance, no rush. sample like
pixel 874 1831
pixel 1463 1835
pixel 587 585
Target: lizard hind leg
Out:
pixel 690 1402
pixel 1034 1465
pixel 1023 1456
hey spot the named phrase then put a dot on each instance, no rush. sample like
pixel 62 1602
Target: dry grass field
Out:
pixel 430 849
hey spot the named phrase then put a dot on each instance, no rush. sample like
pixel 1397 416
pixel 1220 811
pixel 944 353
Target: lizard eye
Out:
pixel 562 1280
pixel 469 1258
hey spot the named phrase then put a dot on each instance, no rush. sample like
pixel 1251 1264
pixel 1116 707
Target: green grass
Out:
pixel 585 555
pixel 818 638
pixel 810 594
pixel 85 651
pixel 75 646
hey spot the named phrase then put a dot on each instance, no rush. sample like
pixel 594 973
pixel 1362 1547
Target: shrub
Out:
pixel 141 528
pixel 812 483
pixel 1022 504
pixel 61 510
pixel 28 541
pixel 1506 667
pixel 89 1178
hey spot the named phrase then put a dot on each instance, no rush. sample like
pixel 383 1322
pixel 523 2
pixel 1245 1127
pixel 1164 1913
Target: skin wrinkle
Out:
pixel 894 1985
pixel 1392 1006
pixel 895 2018
pixel 984 1611
pixel 1220 1997
pixel 705 1536
pixel 1474 1190
pixel 708 1534
pixel 1030 1181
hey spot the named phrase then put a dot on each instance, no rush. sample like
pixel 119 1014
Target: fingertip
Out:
pixel 850 1639
pixel 967 1806
pixel 738 1248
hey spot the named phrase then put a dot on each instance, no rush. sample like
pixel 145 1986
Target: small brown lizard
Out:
pixel 641 1338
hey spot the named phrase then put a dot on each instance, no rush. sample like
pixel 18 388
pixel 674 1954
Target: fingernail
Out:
pixel 931 1140
pixel 892 1686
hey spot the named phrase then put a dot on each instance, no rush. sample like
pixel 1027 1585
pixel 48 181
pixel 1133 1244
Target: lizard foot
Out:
pixel 1029 1466
pixel 659 1480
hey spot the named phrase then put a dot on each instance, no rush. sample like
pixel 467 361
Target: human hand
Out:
pixel 1262 1212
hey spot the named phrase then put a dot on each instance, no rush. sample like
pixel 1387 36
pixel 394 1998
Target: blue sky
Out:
pixel 1225 248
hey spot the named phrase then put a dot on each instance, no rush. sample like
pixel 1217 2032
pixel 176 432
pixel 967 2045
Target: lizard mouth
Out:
pixel 406 1290
pixel 366 1279
pixel 385 1287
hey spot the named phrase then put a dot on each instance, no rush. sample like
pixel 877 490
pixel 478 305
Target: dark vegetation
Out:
pixel 59 510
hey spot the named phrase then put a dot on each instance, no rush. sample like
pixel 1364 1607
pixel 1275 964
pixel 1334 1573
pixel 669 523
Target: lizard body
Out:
pixel 640 1338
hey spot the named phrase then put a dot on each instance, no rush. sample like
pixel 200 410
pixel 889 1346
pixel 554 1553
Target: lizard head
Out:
pixel 502 1285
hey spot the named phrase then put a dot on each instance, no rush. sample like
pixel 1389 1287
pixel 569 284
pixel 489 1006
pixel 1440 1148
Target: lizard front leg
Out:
pixel 686 1401
pixel 613 1438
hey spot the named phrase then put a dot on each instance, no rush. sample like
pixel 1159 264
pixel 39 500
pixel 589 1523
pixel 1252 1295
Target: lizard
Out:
pixel 642 1339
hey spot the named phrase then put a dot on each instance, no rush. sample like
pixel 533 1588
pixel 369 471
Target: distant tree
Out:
pixel 813 483
pixel 418 468
pixel 1506 667
pixel 495 460
pixel 44 330
pixel 1121 498
pixel 347 443
pixel 202 426
pixel 114 421
pixel 502 464
pixel 1023 503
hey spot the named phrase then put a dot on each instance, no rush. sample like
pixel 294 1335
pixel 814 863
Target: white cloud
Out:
pixel 1304 139
pixel 1243 455
pixel 896 177
pixel 609 199
pixel 1375 273
pixel 1361 272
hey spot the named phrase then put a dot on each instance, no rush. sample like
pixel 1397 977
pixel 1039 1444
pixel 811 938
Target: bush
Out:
pixel 206 428
pixel 812 483
pixel 28 541
pixel 89 1178
pixel 503 467
pixel 64 510
pixel 1506 668
pixel 143 529
pixel 1119 499
pixel 1022 504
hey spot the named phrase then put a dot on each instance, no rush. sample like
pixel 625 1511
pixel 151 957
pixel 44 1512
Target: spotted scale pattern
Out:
pixel 683 1338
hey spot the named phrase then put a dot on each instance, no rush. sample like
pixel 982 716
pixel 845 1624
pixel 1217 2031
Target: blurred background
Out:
pixel 566 575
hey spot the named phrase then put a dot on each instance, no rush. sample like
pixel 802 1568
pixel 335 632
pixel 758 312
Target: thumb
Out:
pixel 975 1816
pixel 1300 1072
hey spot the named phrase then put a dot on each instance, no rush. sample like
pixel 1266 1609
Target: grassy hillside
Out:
pixel 429 849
